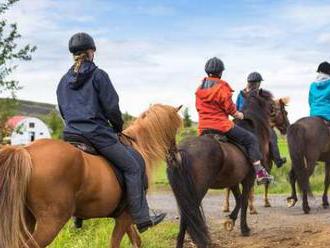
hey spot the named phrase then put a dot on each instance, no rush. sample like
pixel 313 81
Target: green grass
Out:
pixel 281 184
pixel 96 234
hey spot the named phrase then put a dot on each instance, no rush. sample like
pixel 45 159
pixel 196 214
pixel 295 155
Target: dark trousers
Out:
pixel 274 147
pixel 120 157
pixel 248 140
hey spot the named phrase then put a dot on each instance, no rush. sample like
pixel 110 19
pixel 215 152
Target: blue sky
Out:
pixel 155 51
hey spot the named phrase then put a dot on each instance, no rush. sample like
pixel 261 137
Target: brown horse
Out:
pixel 42 185
pixel 203 162
pixel 309 142
pixel 279 119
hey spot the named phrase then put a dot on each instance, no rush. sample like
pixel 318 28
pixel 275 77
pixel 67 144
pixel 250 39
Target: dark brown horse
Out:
pixel 42 185
pixel 279 119
pixel 203 163
pixel 309 142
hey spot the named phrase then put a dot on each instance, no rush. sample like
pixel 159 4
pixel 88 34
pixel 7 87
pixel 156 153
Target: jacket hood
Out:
pixel 77 80
pixel 209 88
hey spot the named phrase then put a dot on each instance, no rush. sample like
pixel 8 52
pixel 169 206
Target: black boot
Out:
pixel 155 219
pixel 77 222
pixel 279 163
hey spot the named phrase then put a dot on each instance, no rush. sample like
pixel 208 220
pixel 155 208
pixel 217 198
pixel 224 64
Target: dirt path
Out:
pixel 272 227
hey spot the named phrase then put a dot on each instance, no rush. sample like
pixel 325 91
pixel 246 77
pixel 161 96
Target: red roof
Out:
pixel 13 121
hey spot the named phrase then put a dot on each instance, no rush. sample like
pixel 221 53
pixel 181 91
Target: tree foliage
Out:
pixel 55 123
pixel 9 50
pixel 10 53
pixel 187 122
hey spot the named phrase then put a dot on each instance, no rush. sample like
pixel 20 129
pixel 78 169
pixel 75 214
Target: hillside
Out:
pixel 31 108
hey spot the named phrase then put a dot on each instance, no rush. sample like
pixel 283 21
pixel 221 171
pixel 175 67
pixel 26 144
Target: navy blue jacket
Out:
pixel 88 104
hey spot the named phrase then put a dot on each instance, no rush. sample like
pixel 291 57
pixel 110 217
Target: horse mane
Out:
pixel 154 132
pixel 257 112
pixel 258 104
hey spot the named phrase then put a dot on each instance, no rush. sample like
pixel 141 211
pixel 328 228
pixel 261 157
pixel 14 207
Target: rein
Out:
pixel 123 137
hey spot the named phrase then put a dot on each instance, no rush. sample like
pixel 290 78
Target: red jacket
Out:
pixel 214 105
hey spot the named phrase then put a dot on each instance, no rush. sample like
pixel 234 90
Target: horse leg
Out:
pixel 182 232
pixel 305 205
pixel 230 223
pixel 247 185
pixel 134 236
pixel 325 202
pixel 122 223
pixel 252 208
pixel 225 207
pixel 266 200
pixel 46 229
pixel 292 200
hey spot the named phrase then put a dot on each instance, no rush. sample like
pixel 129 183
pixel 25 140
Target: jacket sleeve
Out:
pixel 239 101
pixel 59 100
pixel 109 100
pixel 225 101
pixel 310 96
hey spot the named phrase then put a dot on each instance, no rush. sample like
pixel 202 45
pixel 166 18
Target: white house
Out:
pixel 26 129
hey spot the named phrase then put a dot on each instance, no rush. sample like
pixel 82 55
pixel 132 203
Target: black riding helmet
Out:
pixel 214 66
pixel 81 42
pixel 254 77
pixel 324 67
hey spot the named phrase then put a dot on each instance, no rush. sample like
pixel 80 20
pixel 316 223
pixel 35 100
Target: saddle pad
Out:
pixel 223 138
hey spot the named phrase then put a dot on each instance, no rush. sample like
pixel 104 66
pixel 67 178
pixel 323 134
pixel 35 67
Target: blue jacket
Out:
pixel 240 100
pixel 88 102
pixel 319 99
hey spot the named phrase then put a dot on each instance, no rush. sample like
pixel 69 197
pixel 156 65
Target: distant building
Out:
pixel 26 129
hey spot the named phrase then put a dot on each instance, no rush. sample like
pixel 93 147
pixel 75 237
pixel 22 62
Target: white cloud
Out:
pixel 168 70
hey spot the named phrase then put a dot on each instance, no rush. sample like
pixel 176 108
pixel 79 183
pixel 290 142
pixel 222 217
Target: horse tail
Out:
pixel 179 172
pixel 15 173
pixel 299 161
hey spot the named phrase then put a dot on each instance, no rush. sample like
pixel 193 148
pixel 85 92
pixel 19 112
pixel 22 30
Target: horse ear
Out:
pixel 285 100
pixel 178 108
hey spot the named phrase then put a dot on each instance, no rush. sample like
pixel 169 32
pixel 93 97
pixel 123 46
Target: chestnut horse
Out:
pixel 309 142
pixel 203 162
pixel 279 119
pixel 43 184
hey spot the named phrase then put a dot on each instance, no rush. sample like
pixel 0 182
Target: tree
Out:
pixel 127 118
pixel 10 53
pixel 55 123
pixel 186 118
pixel 7 108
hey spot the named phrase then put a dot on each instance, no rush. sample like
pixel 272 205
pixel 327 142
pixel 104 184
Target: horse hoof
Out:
pixel 253 212
pixel 325 206
pixel 306 210
pixel 229 225
pixel 267 205
pixel 225 210
pixel 291 203
pixel 245 233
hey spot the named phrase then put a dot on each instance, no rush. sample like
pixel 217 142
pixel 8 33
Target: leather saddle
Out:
pixel 223 138
pixel 85 145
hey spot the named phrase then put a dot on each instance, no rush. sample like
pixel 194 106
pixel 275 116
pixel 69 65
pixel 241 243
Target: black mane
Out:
pixel 257 111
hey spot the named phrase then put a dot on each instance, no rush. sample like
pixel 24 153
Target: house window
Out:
pixel 41 133
pixel 31 125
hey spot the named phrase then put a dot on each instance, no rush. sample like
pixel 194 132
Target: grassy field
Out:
pixel 281 184
pixel 96 233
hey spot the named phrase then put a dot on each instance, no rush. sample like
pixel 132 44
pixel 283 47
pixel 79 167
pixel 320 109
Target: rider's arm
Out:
pixel 109 100
pixel 310 96
pixel 226 102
